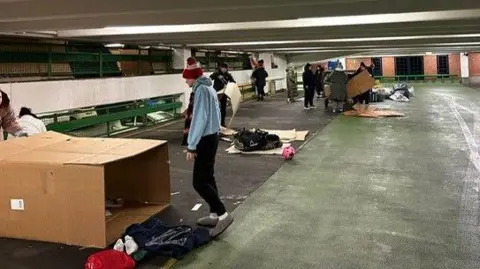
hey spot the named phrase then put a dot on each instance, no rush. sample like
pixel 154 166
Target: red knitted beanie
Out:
pixel 193 69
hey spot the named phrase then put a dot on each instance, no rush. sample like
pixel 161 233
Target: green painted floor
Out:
pixel 369 193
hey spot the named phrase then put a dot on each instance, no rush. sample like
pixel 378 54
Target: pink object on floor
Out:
pixel 288 153
pixel 109 259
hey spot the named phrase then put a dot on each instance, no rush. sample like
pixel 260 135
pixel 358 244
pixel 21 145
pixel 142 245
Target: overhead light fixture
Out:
pixel 336 40
pixel 424 45
pixel 114 45
pixel 162 48
pixel 418 49
pixel 144 47
pixel 280 24
pixel 428 53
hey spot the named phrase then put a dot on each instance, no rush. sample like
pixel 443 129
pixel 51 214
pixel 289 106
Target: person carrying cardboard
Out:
pixel 362 101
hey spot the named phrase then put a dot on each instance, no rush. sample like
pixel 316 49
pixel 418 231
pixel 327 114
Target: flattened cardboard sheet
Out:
pixel 278 151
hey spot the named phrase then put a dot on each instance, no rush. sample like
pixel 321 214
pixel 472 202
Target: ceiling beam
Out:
pixel 279 24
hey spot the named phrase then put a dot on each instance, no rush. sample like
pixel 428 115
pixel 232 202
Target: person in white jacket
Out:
pixel 30 123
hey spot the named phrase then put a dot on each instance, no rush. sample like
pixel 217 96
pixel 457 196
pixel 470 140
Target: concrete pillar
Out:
pixel 464 68
pixel 180 56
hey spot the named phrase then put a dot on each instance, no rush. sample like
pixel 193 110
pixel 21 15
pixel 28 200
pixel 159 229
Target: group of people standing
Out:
pixel 314 80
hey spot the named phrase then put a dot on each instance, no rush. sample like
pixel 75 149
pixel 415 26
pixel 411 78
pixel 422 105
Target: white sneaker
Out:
pixel 119 246
pixel 130 245
pixel 305 108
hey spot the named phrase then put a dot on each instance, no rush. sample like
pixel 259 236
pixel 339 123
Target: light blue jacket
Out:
pixel 206 112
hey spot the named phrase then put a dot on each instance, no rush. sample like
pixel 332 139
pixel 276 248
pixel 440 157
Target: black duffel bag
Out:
pixel 247 140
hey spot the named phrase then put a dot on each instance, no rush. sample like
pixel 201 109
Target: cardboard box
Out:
pixel 54 187
pixel 360 84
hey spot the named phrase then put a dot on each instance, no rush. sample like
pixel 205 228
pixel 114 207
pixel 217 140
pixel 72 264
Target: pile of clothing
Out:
pixel 401 92
pixel 147 240
pixel 254 140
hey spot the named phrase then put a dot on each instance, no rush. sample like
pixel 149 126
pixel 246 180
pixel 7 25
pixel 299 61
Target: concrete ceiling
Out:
pixel 303 28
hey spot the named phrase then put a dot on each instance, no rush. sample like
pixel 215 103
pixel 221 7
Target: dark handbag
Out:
pixel 246 140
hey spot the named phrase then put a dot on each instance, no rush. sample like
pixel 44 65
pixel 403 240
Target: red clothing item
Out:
pixel 8 121
pixel 110 259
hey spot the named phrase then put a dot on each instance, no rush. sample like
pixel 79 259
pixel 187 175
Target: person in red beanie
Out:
pixel 203 144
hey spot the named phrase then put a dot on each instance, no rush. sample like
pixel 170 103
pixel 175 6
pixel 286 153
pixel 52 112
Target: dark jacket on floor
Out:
pixel 159 239
pixel 220 80
pixel 260 76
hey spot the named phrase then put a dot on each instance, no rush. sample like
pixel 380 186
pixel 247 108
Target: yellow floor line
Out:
pixel 169 264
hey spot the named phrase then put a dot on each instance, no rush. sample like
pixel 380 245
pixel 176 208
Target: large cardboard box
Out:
pixel 54 187
pixel 360 84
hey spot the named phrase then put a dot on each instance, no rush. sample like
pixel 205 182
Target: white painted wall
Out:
pixel 52 96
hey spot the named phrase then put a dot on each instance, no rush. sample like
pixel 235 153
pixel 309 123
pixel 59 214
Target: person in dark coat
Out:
pixel 308 86
pixel 319 76
pixel 259 76
pixel 338 89
pixel 221 78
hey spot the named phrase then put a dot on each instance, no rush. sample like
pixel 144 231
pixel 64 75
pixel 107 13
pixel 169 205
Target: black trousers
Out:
pixel 204 173
pixel 364 97
pixel 223 108
pixel 319 89
pixel 309 95
pixel 260 90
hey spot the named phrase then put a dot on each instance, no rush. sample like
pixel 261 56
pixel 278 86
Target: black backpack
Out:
pixel 246 140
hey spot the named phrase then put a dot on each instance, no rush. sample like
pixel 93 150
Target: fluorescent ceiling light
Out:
pixel 336 40
pixel 383 49
pixel 279 24
pixel 366 46
pixel 428 53
pixel 162 47
pixel 114 45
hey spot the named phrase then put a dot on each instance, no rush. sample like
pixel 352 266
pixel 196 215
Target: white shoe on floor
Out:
pixel 130 245
pixel 222 225
pixel 119 246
